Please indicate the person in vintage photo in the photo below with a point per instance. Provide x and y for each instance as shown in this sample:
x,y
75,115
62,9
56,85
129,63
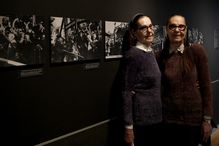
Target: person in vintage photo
x,y
114,32
186,88
141,81
81,39
22,39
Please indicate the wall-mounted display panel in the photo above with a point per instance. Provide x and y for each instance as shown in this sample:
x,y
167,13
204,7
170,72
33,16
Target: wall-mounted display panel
x,y
195,36
159,36
114,32
74,39
22,40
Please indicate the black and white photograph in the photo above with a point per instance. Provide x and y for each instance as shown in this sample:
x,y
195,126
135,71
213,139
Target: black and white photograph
x,y
22,40
195,36
74,39
159,36
114,32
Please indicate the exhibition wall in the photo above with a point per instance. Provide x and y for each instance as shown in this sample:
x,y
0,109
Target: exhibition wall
x,y
76,102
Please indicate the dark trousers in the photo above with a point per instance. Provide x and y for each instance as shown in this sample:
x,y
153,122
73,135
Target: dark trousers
x,y
147,135
182,135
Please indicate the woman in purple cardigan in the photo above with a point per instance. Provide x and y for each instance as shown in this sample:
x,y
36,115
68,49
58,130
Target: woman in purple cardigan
x,y
142,111
187,107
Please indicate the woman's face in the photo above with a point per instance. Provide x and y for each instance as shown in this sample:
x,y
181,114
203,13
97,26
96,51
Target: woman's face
x,y
176,29
145,32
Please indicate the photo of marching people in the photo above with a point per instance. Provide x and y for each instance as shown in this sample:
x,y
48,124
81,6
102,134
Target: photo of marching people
x,y
114,32
75,39
159,36
195,36
22,40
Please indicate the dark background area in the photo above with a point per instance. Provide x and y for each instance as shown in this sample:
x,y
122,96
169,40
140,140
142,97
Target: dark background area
x,y
69,97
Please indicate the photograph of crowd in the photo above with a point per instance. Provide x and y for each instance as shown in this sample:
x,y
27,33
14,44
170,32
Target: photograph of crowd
x,y
22,40
114,32
195,36
75,39
159,36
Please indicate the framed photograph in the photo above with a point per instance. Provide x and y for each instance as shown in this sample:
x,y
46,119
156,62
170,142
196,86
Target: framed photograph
x,y
114,32
159,36
74,40
195,36
22,40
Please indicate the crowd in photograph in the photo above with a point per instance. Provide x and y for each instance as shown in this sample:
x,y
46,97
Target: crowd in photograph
x,y
22,39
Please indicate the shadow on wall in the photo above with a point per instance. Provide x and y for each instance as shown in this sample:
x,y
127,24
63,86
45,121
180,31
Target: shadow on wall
x,y
116,126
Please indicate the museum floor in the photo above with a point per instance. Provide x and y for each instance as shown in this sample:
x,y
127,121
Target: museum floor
x,y
215,138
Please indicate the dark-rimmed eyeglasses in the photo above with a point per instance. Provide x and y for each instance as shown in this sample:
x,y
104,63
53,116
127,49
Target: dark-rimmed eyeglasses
x,y
145,27
181,27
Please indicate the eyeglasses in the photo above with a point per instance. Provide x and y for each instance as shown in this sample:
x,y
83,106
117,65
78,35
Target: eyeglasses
x,y
145,27
181,27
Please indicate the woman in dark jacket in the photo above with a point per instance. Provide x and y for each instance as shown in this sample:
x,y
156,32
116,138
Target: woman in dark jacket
x,y
141,85
187,107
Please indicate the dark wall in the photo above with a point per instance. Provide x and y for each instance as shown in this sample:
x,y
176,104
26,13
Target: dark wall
x,y
68,98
